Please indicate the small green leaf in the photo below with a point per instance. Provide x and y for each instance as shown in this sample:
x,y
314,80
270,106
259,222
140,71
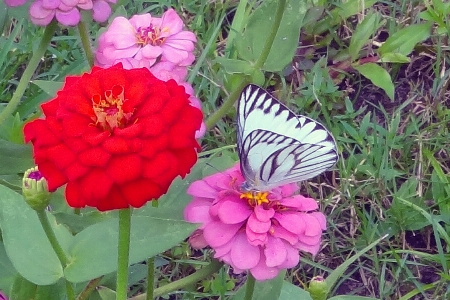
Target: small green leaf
x,y
251,42
379,77
106,293
149,237
404,40
394,58
235,66
362,33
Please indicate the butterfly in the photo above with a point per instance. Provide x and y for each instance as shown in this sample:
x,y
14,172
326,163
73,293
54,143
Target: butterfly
x,y
275,145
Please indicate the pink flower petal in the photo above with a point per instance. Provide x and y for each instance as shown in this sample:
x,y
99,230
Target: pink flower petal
x,y
282,233
243,255
255,239
201,189
233,211
39,15
313,249
275,252
170,19
217,234
197,211
50,4
142,21
14,3
264,215
262,272
292,222
101,11
292,257
69,18
257,226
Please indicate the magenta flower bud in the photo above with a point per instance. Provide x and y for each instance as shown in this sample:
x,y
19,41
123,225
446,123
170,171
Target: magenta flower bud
x,y
35,189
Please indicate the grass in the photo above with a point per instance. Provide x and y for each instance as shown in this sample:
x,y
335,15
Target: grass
x,y
392,175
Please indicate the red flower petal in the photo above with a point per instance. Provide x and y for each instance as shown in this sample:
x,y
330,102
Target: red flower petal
x,y
124,168
94,157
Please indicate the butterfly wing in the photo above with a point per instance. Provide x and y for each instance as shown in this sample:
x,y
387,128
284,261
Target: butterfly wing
x,y
276,146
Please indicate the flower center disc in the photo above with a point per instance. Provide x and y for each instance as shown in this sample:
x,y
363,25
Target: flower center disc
x,y
109,109
150,35
255,198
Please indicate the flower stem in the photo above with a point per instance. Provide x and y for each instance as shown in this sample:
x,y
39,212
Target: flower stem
x,y
273,33
249,287
42,215
123,253
29,71
86,42
226,106
150,278
212,268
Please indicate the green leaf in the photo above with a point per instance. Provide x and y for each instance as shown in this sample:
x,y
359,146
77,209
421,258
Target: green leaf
x,y
15,158
251,42
362,33
25,242
235,66
50,87
264,290
379,77
293,292
106,293
340,13
404,40
394,58
94,251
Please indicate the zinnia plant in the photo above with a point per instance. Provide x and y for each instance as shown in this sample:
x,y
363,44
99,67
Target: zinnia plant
x,y
257,231
116,137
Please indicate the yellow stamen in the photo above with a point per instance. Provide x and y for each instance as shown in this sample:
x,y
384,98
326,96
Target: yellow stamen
x,y
255,198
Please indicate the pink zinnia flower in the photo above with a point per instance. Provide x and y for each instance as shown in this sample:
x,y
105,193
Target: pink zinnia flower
x,y
257,231
67,12
143,39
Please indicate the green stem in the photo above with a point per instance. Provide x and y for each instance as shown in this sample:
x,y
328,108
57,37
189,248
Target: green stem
x,y
273,33
212,268
42,215
89,288
226,106
29,71
123,253
150,278
86,42
249,287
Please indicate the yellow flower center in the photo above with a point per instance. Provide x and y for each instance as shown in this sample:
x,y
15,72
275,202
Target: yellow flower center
x,y
108,109
151,35
255,198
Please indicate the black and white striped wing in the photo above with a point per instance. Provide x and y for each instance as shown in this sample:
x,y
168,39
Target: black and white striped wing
x,y
276,146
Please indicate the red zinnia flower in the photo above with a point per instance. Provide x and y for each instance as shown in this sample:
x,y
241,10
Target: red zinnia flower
x,y
117,137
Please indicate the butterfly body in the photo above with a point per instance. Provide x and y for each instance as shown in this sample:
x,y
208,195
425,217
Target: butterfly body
x,y
276,146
